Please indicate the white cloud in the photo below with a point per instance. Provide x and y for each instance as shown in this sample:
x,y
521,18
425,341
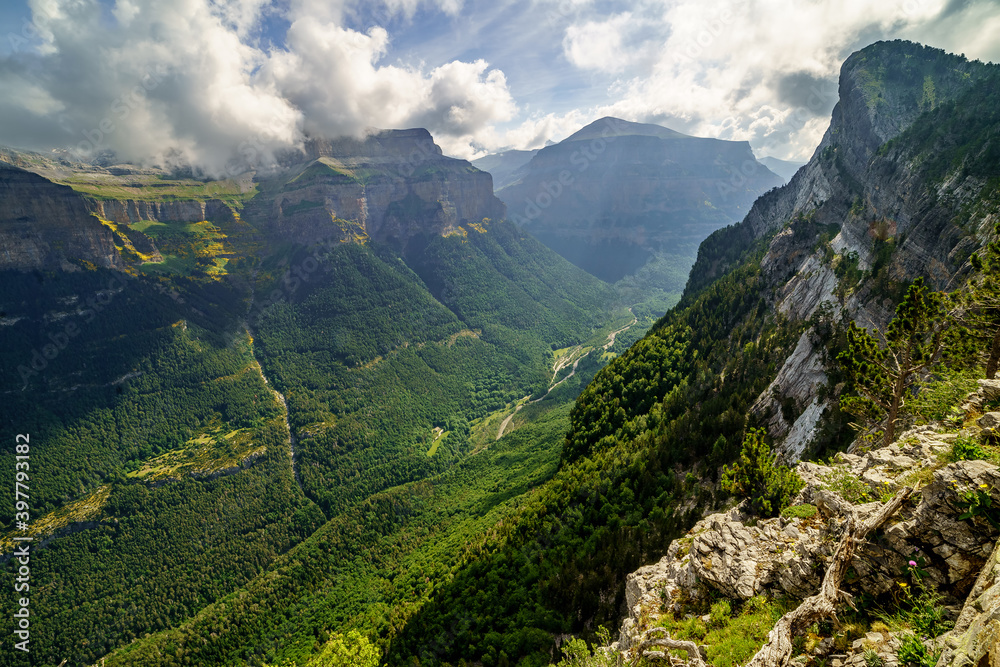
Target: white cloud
x,y
186,80
181,82
758,70
598,44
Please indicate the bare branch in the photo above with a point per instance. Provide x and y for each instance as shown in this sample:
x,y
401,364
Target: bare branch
x,y
778,649
694,653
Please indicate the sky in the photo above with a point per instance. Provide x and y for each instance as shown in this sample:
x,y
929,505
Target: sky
x,y
223,83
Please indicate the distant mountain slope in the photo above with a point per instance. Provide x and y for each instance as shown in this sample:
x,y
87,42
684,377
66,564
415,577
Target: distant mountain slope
x,y
783,168
617,196
505,167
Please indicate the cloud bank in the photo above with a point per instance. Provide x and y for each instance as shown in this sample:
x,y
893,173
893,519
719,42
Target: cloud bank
x,y
762,71
183,82
195,82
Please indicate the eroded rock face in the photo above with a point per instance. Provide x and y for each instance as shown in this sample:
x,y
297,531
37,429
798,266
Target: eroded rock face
x,y
44,225
391,186
125,212
796,385
740,557
975,639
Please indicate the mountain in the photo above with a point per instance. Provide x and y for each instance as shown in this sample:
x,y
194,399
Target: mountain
x,y
622,199
506,167
369,495
210,372
783,168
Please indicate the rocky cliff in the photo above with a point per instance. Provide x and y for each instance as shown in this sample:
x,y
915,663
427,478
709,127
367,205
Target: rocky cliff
x,y
390,186
127,211
929,544
861,219
615,193
44,225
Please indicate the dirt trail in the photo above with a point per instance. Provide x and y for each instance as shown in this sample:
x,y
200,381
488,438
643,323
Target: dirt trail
x,y
294,455
558,367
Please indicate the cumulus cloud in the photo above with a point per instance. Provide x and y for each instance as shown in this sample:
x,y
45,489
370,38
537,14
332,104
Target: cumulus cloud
x,y
183,83
761,70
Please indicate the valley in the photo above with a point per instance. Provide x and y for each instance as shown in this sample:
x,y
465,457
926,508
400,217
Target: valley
x,y
365,402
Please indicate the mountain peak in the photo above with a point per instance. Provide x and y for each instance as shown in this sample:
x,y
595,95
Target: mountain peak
x,y
616,127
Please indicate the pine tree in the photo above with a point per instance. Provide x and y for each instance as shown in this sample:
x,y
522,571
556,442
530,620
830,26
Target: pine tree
x,y
884,366
978,307
759,478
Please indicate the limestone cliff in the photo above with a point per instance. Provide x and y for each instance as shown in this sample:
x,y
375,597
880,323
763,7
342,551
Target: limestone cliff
x,y
129,211
44,226
864,214
390,186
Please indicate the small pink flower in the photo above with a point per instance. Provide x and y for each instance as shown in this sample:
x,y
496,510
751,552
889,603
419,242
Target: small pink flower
x,y
913,563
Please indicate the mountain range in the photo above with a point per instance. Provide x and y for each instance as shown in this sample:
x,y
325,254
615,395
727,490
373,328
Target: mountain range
x,y
361,409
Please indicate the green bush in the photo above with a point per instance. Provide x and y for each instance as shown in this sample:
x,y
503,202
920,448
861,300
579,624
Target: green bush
x,y
913,653
720,613
758,477
968,449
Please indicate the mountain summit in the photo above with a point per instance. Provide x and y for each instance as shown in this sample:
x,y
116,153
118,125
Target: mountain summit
x,y
617,198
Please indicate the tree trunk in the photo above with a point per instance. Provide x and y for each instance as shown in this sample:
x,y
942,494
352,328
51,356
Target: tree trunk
x,y
897,397
778,649
994,360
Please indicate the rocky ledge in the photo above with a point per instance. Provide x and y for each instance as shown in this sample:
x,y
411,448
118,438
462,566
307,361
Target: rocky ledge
x,y
736,556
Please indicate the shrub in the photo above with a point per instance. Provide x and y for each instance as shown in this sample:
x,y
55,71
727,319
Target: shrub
x,y
967,449
759,478
913,653
720,613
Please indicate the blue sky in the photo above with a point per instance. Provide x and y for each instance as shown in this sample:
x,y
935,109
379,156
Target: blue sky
x,y
204,80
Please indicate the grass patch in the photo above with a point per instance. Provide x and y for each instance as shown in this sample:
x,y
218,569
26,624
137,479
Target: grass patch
x,y
805,511
439,436
937,398
211,451
731,640
157,187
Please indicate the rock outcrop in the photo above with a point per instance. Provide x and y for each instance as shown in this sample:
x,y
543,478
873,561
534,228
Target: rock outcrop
x,y
739,559
737,556
390,186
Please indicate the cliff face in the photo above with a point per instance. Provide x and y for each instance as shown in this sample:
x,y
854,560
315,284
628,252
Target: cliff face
x,y
44,225
390,186
124,212
861,216
615,193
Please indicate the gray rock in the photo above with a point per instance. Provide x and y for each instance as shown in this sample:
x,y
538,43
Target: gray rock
x,y
989,421
989,390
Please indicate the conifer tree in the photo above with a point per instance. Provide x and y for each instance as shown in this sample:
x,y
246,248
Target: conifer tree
x,y
884,366
759,478
978,308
